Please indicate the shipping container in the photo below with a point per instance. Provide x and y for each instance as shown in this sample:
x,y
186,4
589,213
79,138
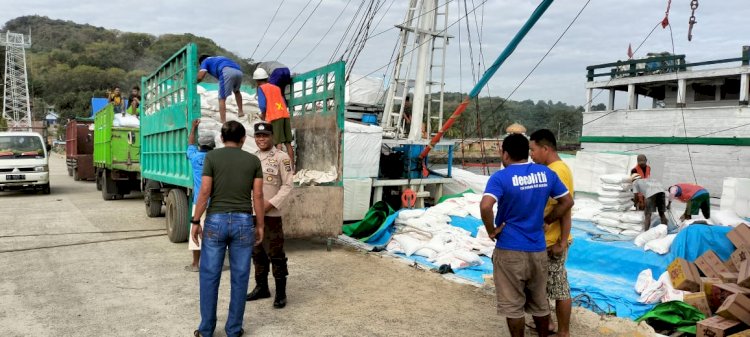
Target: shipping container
x,y
79,148
116,156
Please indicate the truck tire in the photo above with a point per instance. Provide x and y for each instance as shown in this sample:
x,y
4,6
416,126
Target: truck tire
x,y
153,197
107,185
75,175
98,180
178,221
70,171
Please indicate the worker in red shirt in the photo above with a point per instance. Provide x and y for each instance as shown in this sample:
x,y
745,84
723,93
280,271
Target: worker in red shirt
x,y
695,196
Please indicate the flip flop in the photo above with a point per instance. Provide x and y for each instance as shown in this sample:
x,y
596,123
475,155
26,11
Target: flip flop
x,y
190,268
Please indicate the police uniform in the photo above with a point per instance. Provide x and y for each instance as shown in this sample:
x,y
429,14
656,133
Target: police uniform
x,y
277,183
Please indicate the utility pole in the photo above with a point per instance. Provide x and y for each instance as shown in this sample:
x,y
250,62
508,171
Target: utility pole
x,y
16,107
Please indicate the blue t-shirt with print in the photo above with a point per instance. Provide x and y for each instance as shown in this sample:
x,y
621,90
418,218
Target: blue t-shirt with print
x,y
522,191
196,158
213,65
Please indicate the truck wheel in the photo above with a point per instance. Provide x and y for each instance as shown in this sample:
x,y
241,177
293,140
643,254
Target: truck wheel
x,y
75,175
70,171
98,180
107,185
153,198
178,221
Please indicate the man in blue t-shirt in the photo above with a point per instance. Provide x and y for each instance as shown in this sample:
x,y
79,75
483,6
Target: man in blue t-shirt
x,y
521,191
196,155
230,80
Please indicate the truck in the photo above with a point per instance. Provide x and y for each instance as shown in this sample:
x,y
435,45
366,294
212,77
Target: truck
x,y
24,162
117,154
79,148
169,104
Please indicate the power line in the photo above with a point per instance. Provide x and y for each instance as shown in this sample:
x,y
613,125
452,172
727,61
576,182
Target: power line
x,y
287,29
300,29
324,35
267,27
406,22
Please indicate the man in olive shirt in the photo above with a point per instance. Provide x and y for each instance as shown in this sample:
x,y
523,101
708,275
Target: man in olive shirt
x,y
232,179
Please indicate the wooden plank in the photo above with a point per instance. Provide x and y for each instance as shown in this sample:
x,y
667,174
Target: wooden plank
x,y
314,212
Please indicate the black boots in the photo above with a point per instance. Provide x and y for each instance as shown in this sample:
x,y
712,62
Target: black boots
x,y
260,290
280,300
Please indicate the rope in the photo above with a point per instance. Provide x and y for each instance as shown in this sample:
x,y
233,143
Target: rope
x,y
585,301
682,112
346,32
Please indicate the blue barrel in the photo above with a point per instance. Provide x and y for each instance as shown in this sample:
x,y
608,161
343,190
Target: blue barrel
x,y
371,119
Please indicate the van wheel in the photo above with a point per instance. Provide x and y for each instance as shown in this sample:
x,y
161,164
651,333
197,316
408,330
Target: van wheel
x,y
46,189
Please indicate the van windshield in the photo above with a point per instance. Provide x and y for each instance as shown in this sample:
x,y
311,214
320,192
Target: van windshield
x,y
21,147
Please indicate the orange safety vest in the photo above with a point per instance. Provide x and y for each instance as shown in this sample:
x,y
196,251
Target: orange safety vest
x,y
275,105
640,171
688,191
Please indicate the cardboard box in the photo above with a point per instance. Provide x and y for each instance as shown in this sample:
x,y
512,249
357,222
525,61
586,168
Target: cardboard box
x,y
707,283
736,307
745,333
740,236
730,266
729,277
684,275
717,326
740,255
710,264
699,301
720,292
743,278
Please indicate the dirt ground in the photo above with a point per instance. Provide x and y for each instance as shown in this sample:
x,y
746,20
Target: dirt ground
x,y
58,281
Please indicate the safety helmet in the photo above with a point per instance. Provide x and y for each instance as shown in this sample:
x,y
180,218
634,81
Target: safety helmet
x,y
260,74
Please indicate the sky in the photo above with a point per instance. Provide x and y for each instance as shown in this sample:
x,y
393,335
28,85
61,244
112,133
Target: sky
x,y
601,34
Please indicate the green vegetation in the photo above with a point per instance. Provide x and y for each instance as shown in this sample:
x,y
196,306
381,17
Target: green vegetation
x,y
566,118
70,63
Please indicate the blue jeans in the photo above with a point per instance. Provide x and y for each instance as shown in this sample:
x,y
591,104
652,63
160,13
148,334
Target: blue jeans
x,y
222,230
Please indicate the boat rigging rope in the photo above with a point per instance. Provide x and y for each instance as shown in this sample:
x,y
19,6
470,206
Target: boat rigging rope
x,y
286,30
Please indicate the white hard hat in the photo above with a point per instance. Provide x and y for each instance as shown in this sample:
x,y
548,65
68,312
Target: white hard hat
x,y
260,74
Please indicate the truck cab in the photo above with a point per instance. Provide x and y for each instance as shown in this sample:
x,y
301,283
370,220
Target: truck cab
x,y
24,162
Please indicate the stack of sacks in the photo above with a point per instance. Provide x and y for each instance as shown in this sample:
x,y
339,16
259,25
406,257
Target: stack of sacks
x,y
126,121
428,233
734,197
623,223
615,192
586,209
211,120
655,239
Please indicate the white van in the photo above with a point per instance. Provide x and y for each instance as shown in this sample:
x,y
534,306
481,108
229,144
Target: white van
x,y
24,161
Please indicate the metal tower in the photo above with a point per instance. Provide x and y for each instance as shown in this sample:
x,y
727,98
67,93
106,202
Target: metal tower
x,y
424,37
16,107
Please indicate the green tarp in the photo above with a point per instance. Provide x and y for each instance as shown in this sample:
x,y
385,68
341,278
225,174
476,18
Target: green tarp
x,y
675,315
372,221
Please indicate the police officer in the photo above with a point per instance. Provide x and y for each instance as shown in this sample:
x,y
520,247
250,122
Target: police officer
x,y
277,183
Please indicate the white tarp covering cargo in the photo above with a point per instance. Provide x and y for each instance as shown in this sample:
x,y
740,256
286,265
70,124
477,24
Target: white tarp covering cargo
x,y
356,198
363,90
735,196
362,145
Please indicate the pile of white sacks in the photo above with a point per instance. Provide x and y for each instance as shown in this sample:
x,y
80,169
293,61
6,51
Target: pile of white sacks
x,y
211,120
656,291
428,233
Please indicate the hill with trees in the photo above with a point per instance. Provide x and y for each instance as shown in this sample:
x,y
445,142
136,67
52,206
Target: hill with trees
x,y
69,63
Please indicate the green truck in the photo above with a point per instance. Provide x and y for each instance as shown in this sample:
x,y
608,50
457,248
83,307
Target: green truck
x,y
170,103
116,156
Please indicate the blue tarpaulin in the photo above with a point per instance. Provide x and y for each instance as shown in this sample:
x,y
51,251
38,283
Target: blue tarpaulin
x,y
604,270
